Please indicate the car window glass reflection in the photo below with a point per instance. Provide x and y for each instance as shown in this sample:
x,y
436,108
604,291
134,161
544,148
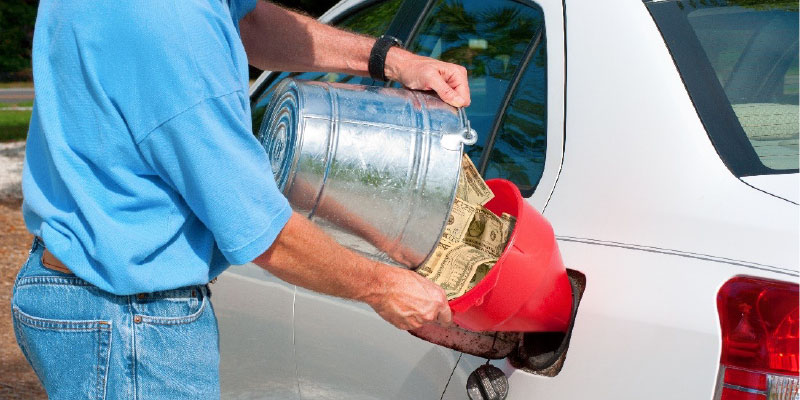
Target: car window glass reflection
x,y
489,39
518,151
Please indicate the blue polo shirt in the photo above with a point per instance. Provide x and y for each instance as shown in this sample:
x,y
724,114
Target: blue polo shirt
x,y
141,169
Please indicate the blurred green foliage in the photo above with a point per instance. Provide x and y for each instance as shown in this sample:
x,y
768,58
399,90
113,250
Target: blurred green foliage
x,y
17,18
372,21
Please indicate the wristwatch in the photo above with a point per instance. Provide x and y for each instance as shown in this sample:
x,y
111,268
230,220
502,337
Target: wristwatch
x,y
377,57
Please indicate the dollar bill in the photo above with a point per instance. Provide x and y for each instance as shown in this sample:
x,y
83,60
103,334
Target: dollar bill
x,y
480,273
486,232
456,268
471,187
458,221
429,266
508,221
473,238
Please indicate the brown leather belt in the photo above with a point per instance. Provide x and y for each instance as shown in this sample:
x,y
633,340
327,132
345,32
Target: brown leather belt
x,y
50,261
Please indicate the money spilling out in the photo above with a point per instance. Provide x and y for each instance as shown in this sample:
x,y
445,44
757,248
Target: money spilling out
x,y
473,238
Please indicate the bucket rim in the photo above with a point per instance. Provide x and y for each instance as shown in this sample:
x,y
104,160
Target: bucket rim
x,y
286,87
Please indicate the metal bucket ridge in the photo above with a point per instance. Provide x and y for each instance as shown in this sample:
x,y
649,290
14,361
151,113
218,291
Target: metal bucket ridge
x,y
376,168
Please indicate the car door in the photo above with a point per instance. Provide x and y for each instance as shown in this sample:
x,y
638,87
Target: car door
x,y
344,350
254,313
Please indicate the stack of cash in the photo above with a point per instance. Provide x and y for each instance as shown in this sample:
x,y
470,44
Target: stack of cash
x,y
473,238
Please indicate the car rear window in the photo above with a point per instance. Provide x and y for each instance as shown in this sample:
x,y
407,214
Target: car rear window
x,y
747,52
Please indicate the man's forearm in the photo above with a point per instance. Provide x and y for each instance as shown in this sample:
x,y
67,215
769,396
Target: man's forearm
x,y
277,39
304,255
280,40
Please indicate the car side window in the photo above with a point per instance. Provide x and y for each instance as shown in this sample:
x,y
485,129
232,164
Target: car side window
x,y
372,20
490,39
517,150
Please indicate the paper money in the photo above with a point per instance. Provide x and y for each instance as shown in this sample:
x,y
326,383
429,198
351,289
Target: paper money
x,y
456,268
471,187
480,273
486,232
429,266
459,220
508,221
473,237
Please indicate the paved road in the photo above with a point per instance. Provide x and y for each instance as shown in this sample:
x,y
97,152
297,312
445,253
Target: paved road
x,y
16,95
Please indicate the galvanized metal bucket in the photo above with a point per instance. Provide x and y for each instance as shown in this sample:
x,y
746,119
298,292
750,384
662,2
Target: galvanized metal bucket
x,y
376,168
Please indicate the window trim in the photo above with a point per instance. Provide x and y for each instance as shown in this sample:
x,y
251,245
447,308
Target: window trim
x,y
533,45
408,19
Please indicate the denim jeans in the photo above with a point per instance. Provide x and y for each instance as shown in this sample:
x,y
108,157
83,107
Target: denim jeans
x,y
84,343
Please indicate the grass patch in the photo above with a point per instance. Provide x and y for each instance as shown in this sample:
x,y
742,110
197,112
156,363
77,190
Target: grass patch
x,y
20,104
15,85
14,125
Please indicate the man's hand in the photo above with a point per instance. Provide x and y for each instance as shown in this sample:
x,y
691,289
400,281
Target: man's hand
x,y
407,300
449,81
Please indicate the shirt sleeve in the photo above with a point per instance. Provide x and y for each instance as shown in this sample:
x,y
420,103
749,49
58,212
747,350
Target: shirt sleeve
x,y
212,160
240,8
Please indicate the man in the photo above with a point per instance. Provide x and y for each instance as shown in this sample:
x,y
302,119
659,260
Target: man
x,y
143,181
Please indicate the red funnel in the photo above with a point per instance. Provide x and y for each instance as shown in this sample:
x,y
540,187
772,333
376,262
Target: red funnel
x,y
528,289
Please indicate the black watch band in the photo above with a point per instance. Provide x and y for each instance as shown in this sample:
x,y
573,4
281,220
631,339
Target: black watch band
x,y
377,57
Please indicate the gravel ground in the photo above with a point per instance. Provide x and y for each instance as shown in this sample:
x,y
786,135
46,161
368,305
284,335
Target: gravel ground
x,y
17,380
11,156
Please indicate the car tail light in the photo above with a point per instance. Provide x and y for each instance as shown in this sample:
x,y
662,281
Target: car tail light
x,y
759,319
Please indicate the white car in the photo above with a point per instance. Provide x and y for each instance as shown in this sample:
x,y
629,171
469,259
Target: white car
x,y
660,139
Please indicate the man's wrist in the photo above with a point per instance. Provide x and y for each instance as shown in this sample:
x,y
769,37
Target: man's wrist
x,y
376,287
378,54
395,59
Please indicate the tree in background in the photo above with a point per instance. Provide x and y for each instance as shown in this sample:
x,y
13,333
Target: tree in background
x,y
17,18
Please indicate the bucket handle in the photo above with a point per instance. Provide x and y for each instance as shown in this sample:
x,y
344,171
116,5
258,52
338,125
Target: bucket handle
x,y
469,136
454,141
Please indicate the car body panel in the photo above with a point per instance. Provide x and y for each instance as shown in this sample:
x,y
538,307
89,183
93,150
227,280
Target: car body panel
x,y
254,312
649,213
647,328
346,351
641,169
782,185
554,34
